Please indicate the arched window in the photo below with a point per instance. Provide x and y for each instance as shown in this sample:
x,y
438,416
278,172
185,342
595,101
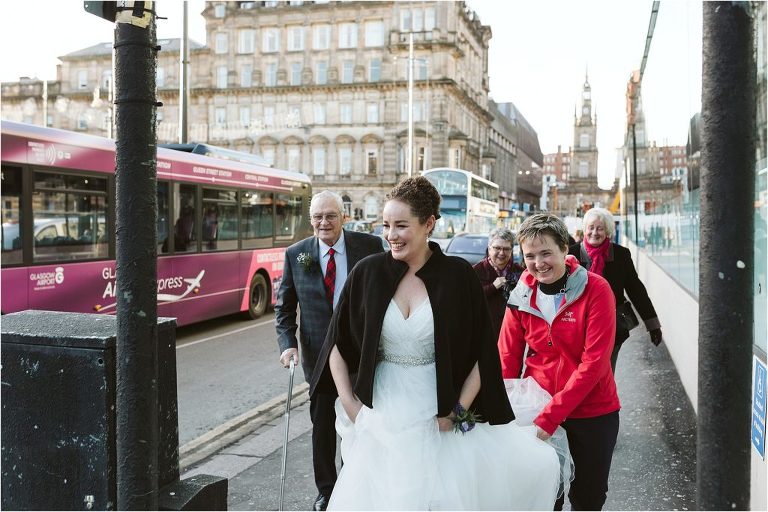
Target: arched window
x,y
347,206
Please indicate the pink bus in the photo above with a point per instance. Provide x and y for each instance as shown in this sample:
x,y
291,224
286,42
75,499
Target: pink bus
x,y
224,221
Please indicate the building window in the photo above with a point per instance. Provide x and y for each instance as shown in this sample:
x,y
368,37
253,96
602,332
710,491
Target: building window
x,y
245,116
219,10
371,161
269,154
374,33
417,19
321,37
270,77
221,43
347,70
160,77
429,18
246,75
295,39
584,140
345,113
321,75
82,79
372,113
294,158
270,3
221,77
418,111
296,73
455,158
246,41
319,113
106,80
318,161
220,116
421,69
345,161
421,159
82,122
374,70
348,35
294,116
405,20
583,168
269,116
271,40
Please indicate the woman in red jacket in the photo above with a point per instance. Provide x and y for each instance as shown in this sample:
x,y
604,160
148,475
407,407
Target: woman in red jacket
x,y
565,317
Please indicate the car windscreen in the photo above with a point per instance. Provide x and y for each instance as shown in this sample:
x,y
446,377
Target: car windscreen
x,y
466,245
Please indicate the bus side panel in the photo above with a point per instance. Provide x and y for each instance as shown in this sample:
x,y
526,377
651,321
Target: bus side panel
x,y
14,294
270,260
199,286
77,287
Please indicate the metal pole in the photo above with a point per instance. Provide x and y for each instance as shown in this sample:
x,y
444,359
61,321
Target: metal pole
x,y
184,78
634,180
136,209
727,260
409,161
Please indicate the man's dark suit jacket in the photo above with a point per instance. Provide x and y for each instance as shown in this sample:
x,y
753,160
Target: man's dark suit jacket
x,y
304,286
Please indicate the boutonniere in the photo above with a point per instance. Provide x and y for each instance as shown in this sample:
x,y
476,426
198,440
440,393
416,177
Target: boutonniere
x,y
306,260
464,420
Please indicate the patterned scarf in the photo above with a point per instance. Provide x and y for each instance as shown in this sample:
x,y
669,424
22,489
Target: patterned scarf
x,y
598,255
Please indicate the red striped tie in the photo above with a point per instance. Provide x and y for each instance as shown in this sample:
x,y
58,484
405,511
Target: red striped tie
x,y
330,277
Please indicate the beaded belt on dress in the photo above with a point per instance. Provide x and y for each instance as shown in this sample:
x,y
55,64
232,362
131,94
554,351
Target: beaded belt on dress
x,y
405,360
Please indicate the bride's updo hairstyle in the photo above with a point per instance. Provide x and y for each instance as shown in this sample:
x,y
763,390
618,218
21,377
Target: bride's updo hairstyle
x,y
418,193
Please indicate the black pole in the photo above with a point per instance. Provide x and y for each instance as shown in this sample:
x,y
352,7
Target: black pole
x,y
634,180
136,206
727,259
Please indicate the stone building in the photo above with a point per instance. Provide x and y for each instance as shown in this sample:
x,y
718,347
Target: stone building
x,y
316,87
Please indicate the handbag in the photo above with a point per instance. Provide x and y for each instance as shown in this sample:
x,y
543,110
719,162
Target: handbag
x,y
625,316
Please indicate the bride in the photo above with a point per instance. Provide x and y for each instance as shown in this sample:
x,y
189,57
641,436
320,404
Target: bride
x,y
423,412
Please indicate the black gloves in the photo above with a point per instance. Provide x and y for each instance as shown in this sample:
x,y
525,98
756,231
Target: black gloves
x,y
656,336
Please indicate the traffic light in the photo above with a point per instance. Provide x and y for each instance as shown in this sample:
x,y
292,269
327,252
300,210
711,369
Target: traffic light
x,y
106,10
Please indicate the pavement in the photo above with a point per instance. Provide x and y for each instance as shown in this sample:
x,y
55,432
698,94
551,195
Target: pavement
x,y
654,464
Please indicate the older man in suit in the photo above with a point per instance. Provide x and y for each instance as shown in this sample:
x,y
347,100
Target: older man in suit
x,y
314,273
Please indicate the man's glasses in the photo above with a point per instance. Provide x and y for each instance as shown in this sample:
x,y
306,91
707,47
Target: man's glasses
x,y
501,249
328,217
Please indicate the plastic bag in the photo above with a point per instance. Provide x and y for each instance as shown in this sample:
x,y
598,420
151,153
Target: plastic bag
x,y
528,399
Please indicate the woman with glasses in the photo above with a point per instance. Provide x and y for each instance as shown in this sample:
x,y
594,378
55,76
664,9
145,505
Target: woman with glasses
x,y
498,273
598,254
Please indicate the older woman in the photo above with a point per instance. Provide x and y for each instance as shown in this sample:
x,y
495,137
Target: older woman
x,y
565,318
598,254
498,274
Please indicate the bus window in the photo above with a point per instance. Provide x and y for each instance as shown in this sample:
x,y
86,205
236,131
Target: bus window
x,y
184,236
163,222
219,219
287,216
69,217
11,215
257,223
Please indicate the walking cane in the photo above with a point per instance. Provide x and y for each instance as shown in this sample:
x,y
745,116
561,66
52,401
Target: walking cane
x,y
285,439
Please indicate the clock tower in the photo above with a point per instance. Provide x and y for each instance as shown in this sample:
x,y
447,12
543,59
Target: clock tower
x,y
584,152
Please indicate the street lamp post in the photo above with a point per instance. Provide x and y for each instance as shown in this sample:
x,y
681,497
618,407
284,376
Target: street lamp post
x,y
409,161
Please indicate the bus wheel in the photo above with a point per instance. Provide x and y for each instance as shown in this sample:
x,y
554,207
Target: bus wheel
x,y
258,296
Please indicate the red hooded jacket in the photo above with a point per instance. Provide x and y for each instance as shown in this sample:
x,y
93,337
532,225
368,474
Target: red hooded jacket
x,y
571,358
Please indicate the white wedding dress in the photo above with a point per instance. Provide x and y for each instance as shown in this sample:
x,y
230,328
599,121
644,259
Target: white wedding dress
x,y
395,458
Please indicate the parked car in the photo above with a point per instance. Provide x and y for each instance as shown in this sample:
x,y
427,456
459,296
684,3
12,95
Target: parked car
x,y
364,226
471,247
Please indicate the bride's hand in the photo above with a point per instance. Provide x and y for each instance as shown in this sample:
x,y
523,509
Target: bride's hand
x,y
352,408
541,434
445,423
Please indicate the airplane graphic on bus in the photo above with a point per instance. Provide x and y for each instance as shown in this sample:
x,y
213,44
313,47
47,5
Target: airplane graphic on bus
x,y
193,286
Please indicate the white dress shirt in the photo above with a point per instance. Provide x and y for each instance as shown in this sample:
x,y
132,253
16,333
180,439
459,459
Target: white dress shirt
x,y
341,264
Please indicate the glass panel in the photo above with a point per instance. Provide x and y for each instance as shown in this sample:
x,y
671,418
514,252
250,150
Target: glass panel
x,y
219,220
184,232
287,216
69,226
11,215
163,217
256,219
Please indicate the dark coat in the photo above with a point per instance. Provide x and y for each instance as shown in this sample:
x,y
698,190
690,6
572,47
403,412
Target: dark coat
x,y
305,287
495,297
620,273
462,331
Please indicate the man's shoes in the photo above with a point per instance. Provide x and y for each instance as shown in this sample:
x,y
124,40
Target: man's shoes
x,y
321,502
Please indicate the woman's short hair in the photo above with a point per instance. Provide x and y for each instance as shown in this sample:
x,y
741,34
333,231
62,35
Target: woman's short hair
x,y
503,233
327,194
541,224
418,193
602,214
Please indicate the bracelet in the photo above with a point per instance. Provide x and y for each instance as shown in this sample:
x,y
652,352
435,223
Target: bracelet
x,y
465,420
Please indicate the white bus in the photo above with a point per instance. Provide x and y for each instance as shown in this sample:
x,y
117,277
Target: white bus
x,y
470,204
